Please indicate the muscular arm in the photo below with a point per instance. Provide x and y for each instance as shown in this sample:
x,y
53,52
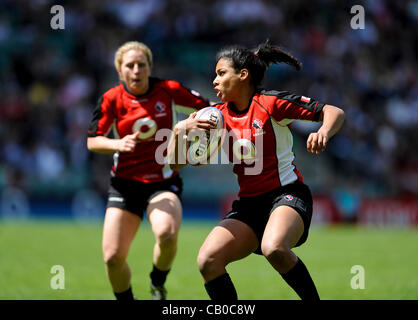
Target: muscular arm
x,y
332,120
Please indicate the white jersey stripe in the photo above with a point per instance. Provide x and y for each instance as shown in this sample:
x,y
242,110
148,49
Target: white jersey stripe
x,y
284,153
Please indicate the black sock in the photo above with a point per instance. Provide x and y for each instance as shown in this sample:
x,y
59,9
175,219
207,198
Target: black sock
x,y
158,277
125,295
300,280
221,288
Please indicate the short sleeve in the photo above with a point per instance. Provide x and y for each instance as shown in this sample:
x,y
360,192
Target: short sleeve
x,y
288,106
102,119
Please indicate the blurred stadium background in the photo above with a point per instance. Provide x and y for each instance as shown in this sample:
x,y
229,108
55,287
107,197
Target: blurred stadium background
x,y
51,80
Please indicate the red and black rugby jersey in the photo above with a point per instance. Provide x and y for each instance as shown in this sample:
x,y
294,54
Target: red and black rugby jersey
x,y
127,113
260,143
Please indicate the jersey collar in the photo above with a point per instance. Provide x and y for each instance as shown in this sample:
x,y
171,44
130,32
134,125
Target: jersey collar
x,y
150,87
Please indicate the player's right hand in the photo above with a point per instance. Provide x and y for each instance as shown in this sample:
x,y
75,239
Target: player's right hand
x,y
128,142
191,123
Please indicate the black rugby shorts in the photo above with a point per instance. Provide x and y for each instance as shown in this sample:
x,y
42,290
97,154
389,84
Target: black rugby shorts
x,y
255,211
134,196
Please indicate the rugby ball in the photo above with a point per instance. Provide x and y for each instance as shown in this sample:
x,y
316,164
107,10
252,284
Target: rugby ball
x,y
202,146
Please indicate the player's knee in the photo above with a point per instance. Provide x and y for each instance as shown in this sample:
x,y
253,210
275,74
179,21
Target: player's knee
x,y
208,264
275,252
204,262
166,236
113,258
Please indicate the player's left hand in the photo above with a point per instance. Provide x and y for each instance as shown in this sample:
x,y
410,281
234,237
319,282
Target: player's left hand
x,y
317,142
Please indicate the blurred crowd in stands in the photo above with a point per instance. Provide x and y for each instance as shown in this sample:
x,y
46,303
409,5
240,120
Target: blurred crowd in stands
x,y
52,79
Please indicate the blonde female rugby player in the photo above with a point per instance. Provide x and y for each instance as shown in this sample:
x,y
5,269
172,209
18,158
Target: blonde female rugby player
x,y
136,108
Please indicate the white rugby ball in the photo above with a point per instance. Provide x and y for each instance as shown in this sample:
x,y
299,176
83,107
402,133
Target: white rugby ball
x,y
202,147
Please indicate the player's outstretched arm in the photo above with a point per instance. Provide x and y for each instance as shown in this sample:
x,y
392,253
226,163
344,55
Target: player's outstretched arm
x,y
332,120
102,144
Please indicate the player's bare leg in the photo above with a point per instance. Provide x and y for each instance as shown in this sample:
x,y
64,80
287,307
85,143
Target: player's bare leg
x,y
283,231
164,214
120,227
230,241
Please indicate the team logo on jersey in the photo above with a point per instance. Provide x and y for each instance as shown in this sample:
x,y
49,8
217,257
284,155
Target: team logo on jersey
x,y
258,126
160,107
288,197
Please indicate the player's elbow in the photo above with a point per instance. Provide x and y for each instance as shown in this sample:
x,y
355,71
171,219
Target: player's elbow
x,y
340,113
340,116
90,144
333,112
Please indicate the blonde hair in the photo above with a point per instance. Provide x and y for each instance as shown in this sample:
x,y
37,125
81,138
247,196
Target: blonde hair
x,y
132,45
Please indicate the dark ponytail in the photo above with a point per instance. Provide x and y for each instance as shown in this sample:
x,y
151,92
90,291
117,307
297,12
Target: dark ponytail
x,y
259,60
269,54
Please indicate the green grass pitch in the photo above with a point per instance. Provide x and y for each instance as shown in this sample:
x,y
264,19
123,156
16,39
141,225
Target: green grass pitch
x,y
30,249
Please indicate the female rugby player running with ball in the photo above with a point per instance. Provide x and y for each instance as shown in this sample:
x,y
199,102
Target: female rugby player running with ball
x,y
274,209
136,108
